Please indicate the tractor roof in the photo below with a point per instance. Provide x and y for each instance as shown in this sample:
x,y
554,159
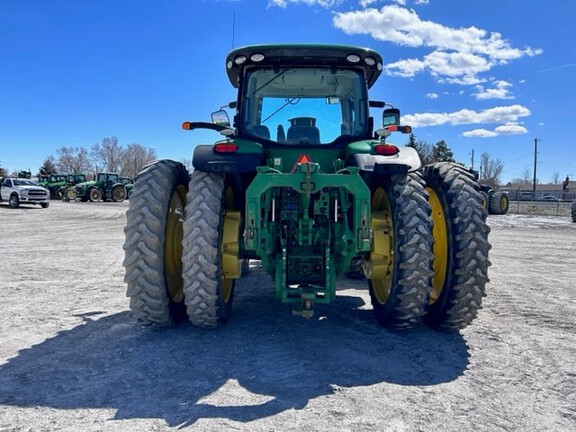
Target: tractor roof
x,y
307,55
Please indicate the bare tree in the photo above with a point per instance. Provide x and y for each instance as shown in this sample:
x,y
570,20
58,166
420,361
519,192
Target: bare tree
x,y
556,177
73,160
133,159
188,164
423,148
490,170
526,176
107,156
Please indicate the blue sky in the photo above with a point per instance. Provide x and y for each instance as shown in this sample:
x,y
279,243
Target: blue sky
x,y
485,76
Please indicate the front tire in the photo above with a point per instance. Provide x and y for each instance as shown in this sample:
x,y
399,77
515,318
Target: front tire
x,y
95,195
460,246
14,201
71,194
211,261
399,267
153,245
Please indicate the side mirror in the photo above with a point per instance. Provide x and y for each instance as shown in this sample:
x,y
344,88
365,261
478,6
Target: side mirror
x,y
391,117
221,118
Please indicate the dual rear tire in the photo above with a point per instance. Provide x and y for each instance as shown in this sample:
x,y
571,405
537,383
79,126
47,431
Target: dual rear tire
x,y
181,263
430,249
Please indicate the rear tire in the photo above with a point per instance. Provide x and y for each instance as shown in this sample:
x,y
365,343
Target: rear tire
x,y
153,245
210,250
399,268
118,193
461,246
485,199
574,211
499,203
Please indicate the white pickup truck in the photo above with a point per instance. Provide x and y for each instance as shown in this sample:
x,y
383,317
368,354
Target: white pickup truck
x,y
23,191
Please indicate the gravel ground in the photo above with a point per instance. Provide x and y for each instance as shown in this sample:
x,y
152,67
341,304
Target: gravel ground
x,y
73,359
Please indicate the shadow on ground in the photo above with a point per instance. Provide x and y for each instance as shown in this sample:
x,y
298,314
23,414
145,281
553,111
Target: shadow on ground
x,y
264,362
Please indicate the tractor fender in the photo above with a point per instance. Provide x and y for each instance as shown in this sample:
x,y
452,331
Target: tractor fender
x,y
207,160
406,160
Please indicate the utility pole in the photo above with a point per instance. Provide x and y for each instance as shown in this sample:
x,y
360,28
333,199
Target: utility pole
x,y
472,159
535,160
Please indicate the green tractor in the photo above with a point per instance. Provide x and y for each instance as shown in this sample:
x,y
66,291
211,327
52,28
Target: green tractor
x,y
496,202
106,187
128,185
74,179
303,181
57,185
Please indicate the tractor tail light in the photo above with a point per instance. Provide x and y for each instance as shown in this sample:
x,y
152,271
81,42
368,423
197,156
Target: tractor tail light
x,y
386,149
225,148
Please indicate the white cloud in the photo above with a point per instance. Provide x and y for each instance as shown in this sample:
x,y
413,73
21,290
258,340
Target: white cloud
x,y
479,133
511,129
458,54
506,129
501,90
504,114
431,95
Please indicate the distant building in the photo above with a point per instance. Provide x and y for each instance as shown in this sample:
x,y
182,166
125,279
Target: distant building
x,y
565,191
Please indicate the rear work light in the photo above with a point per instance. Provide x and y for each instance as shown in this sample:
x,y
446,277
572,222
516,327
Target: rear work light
x,y
386,149
225,148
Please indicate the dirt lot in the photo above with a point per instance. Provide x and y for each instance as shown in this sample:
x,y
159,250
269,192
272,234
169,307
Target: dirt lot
x,y
73,359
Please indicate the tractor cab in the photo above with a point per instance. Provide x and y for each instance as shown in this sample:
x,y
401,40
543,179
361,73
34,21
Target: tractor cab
x,y
314,95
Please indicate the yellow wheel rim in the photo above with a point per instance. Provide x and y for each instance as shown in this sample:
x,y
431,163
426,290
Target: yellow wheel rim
x,y
440,246
230,247
380,266
71,194
173,244
503,202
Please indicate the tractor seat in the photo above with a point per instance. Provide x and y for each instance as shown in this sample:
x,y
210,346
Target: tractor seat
x,y
303,130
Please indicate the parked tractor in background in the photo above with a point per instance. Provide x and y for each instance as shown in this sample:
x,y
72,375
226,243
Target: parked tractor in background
x,y
57,185
106,187
304,182
496,202
128,185
74,179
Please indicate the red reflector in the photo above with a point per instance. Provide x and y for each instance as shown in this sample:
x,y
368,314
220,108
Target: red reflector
x,y
302,159
225,148
386,149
